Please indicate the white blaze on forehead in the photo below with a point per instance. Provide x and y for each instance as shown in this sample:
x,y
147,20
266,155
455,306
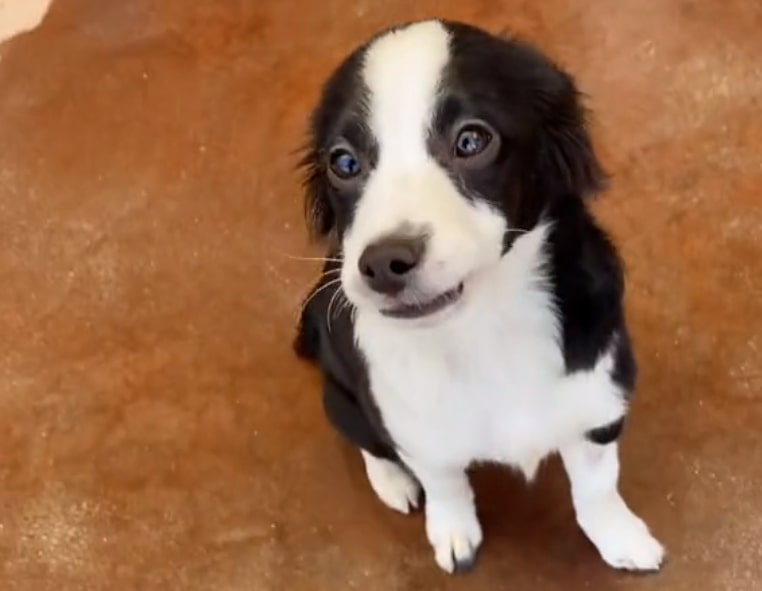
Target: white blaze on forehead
x,y
402,71
408,189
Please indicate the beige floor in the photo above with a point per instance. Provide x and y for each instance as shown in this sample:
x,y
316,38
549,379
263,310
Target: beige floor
x,y
19,16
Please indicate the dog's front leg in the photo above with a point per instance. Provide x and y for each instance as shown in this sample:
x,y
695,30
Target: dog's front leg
x,y
621,537
451,522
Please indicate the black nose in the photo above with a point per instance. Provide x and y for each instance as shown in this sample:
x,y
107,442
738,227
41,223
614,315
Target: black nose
x,y
386,265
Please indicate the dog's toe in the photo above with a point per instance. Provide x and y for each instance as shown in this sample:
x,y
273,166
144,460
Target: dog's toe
x,y
396,488
456,553
455,534
623,539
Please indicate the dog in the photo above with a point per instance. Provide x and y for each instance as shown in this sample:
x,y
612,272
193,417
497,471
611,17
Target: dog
x,y
470,308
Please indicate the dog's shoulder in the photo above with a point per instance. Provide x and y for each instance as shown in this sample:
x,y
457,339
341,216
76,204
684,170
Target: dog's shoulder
x,y
589,285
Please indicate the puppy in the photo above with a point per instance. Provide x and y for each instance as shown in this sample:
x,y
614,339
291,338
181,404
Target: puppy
x,y
470,308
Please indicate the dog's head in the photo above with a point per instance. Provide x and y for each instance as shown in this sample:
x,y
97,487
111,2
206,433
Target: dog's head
x,y
433,146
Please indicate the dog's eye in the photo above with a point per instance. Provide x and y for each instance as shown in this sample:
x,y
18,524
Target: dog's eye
x,y
344,164
475,145
472,140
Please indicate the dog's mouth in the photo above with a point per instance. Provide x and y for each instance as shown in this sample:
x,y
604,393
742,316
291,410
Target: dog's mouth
x,y
427,308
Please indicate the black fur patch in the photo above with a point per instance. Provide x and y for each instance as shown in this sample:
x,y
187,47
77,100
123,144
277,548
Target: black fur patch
x,y
606,434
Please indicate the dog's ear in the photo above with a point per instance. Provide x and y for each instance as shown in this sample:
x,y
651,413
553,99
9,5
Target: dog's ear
x,y
567,159
318,211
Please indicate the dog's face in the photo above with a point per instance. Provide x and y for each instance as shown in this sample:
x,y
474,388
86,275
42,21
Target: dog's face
x,y
433,147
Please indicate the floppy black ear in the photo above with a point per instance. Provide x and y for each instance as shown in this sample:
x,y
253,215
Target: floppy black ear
x,y
318,211
567,158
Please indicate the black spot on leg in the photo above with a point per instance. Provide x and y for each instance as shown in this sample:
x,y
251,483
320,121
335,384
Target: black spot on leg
x,y
606,434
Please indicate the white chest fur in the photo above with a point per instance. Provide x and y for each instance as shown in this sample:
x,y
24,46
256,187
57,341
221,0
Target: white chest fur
x,y
487,383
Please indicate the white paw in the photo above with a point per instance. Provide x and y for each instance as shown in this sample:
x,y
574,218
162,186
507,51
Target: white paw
x,y
621,537
456,535
394,486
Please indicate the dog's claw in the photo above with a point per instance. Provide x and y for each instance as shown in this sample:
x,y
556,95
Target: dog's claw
x,y
464,565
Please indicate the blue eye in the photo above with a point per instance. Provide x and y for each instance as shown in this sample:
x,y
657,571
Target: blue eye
x,y
472,140
344,164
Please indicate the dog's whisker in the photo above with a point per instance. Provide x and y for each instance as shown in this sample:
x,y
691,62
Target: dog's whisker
x,y
340,303
343,305
348,305
313,259
317,291
331,274
330,305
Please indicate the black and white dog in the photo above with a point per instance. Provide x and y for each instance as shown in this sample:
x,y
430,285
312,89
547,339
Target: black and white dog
x,y
470,308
